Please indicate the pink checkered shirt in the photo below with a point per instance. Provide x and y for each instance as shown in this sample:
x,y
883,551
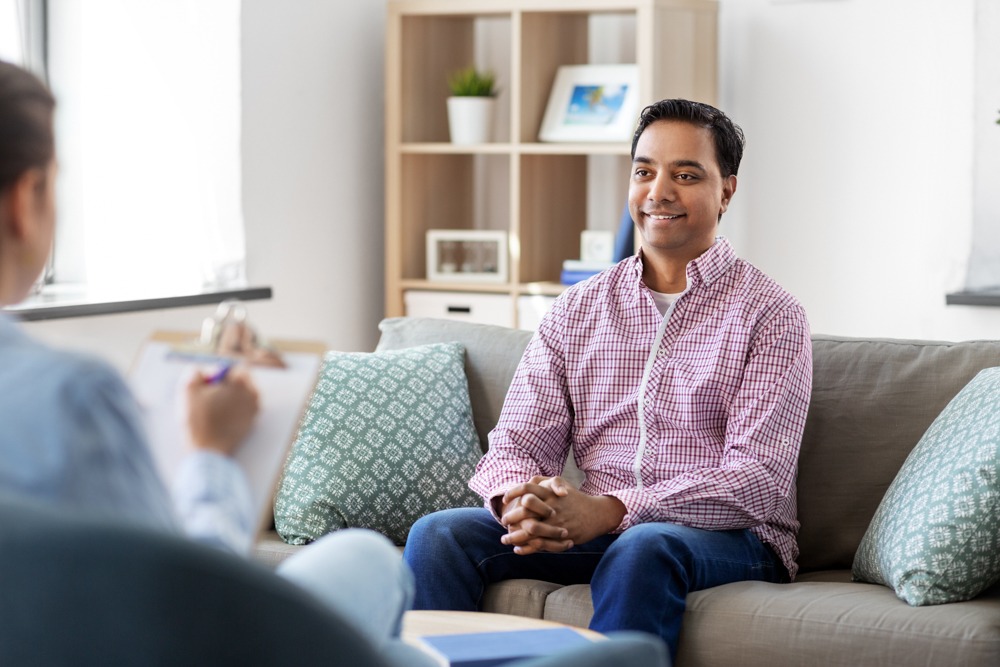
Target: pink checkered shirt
x,y
694,417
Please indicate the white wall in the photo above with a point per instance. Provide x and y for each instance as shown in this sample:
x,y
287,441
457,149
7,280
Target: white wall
x,y
856,187
855,192
312,182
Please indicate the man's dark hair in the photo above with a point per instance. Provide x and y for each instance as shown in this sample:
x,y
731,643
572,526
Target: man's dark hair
x,y
727,135
26,138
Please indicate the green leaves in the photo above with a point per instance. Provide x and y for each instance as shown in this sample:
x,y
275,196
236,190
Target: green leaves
x,y
470,82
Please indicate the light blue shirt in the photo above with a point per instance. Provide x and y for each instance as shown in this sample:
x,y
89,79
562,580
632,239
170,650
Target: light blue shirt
x,y
71,435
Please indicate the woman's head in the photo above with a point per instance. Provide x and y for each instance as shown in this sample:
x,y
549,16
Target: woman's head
x,y
26,137
27,180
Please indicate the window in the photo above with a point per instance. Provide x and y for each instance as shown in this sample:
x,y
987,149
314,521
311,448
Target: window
x,y
10,32
22,33
984,259
148,138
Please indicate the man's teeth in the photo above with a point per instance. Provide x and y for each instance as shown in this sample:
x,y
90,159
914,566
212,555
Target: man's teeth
x,y
664,217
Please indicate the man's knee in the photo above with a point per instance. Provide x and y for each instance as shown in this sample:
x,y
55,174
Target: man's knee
x,y
445,523
642,545
650,535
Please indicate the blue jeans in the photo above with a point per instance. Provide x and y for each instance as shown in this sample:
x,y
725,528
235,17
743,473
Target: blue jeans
x,y
359,574
639,579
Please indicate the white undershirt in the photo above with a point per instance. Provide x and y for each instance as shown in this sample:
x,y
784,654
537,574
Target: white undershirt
x,y
663,301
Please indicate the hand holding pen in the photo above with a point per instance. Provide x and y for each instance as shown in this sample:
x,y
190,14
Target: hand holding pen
x,y
221,408
219,375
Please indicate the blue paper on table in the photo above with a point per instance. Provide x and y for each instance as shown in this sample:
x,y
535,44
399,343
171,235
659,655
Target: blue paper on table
x,y
486,649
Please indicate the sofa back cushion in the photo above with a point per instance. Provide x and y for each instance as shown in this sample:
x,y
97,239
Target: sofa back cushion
x,y
872,400
492,354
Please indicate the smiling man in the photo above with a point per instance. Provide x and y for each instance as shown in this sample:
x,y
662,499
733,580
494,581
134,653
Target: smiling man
x,y
680,377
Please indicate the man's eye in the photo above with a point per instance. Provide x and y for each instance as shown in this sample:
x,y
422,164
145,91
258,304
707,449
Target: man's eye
x,y
685,177
641,172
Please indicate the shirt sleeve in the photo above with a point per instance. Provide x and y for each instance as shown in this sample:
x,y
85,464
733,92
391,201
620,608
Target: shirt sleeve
x,y
108,467
532,434
756,475
111,469
212,499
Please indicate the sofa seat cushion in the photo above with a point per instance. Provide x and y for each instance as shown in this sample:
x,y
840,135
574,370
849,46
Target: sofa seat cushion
x,y
822,619
571,605
835,624
270,549
520,597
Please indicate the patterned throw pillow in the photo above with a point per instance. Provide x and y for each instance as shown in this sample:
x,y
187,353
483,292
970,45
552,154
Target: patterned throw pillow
x,y
387,438
935,537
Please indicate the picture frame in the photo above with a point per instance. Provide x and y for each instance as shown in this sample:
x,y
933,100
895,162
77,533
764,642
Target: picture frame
x,y
598,103
466,255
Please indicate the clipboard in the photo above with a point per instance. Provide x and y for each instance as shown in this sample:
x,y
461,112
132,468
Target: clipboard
x,y
159,377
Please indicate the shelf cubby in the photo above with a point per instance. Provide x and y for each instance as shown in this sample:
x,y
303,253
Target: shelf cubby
x,y
542,194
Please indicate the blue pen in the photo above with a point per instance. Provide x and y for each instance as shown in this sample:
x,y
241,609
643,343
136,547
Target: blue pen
x,y
219,375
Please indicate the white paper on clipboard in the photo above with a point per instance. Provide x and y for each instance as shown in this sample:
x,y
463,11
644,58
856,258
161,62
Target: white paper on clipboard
x,y
159,379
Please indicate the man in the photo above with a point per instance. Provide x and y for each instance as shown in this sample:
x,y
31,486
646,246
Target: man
x,y
681,379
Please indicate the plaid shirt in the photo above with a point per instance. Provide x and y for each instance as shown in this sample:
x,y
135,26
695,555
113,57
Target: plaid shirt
x,y
694,417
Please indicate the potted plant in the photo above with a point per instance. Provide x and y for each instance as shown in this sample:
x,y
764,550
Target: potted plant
x,y
470,107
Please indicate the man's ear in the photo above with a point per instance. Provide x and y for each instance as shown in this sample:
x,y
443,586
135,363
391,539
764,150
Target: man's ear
x,y
728,190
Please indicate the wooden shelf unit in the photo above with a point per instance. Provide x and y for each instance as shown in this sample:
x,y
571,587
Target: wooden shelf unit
x,y
537,192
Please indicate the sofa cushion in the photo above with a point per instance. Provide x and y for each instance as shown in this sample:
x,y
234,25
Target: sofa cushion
x,y
519,597
834,624
935,537
872,400
492,354
387,438
822,618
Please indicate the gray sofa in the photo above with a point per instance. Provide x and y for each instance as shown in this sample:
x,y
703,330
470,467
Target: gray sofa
x,y
872,400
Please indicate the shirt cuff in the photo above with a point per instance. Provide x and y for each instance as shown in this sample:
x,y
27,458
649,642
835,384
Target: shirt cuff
x,y
639,508
213,502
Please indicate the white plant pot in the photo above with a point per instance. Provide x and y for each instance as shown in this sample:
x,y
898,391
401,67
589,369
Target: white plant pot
x,y
470,119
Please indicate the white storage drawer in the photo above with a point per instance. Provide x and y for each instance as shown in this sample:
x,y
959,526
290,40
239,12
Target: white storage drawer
x,y
465,306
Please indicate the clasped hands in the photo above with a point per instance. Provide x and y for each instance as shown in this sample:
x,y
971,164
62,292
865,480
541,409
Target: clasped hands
x,y
550,514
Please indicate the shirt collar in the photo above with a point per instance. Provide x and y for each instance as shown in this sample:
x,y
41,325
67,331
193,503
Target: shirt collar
x,y
713,263
706,268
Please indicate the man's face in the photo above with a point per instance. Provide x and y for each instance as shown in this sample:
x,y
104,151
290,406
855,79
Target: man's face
x,y
676,191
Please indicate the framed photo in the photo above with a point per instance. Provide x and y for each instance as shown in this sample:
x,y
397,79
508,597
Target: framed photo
x,y
592,103
466,255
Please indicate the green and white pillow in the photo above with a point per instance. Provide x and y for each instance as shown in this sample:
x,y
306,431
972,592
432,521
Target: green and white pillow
x,y
935,537
387,438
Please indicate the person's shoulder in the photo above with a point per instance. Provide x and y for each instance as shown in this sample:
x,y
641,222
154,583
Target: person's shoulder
x,y
762,288
597,288
68,371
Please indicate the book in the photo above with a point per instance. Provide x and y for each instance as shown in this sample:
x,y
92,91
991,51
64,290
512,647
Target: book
x,y
586,265
573,277
159,379
488,649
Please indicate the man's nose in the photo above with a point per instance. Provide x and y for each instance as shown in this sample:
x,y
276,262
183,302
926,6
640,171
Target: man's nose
x,y
662,189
